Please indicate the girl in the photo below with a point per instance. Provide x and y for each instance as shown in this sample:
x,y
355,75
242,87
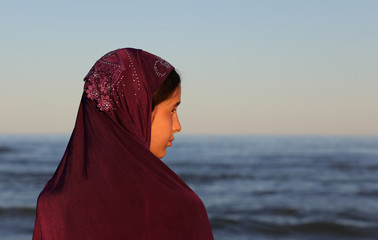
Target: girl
x,y
111,183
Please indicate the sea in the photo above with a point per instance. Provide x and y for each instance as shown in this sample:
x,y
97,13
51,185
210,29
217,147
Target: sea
x,y
254,187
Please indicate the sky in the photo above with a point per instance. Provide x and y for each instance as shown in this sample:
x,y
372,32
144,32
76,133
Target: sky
x,y
247,67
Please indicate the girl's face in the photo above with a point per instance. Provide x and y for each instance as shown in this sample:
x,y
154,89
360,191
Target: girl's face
x,y
164,124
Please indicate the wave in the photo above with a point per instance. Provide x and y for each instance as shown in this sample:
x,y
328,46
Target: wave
x,y
366,193
315,228
14,211
4,149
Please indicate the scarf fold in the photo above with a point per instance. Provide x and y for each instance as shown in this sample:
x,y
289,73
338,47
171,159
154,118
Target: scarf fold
x,y
108,184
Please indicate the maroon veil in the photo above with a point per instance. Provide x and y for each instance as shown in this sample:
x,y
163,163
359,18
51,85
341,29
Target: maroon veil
x,y
108,184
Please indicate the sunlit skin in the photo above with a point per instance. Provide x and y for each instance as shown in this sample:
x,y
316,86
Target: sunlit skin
x,y
165,123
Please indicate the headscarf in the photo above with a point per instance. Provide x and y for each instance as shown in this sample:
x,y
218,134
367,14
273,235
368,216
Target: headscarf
x,y
108,184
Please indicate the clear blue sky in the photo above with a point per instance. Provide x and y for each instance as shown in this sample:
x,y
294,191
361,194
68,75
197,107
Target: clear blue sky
x,y
248,67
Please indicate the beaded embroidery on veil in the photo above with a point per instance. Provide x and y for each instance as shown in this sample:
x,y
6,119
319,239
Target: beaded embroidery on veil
x,y
104,79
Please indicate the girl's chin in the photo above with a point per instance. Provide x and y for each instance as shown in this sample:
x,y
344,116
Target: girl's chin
x,y
161,154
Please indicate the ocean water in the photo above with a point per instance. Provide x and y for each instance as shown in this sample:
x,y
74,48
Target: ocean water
x,y
254,187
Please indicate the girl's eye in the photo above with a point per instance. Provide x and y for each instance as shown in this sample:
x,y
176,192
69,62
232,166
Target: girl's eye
x,y
174,110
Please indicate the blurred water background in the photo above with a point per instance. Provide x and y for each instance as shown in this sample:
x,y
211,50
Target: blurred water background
x,y
254,187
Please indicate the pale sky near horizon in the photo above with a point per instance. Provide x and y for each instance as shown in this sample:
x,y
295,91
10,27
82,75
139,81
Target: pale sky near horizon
x,y
248,67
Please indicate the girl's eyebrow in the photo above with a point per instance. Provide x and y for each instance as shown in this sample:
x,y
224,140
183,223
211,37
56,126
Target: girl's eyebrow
x,y
178,103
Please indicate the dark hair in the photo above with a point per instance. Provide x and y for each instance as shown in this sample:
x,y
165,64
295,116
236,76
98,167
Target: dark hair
x,y
166,90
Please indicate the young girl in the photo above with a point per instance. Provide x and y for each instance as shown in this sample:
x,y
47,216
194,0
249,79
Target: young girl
x,y
111,183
